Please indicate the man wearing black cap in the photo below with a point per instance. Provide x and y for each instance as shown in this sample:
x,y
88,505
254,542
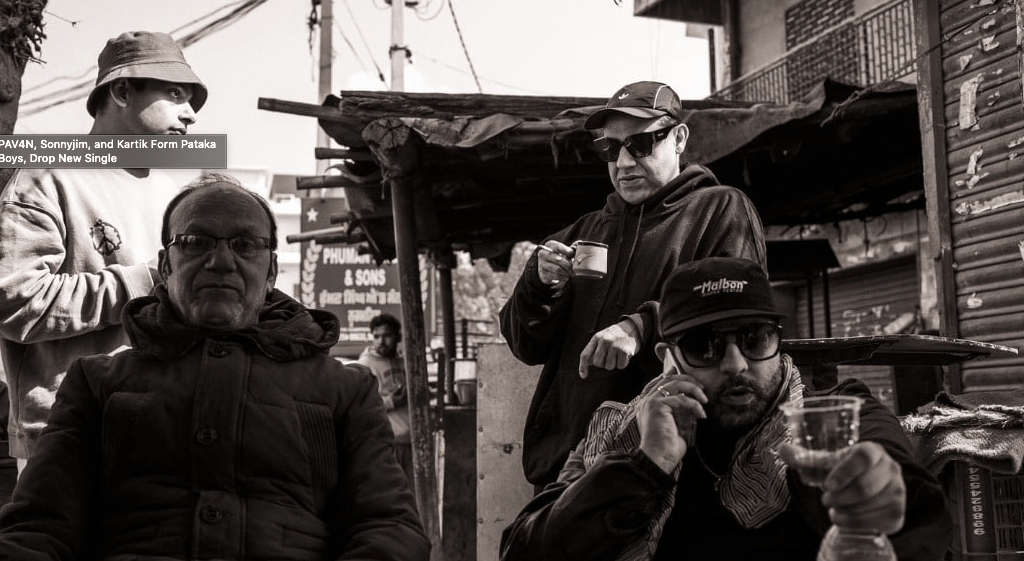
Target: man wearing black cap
x,y
76,244
700,465
589,334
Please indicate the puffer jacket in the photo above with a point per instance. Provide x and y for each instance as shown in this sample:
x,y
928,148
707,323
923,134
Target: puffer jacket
x,y
254,445
691,217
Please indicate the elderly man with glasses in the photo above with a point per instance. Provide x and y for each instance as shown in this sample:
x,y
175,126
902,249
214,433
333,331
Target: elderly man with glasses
x,y
589,333
226,431
701,465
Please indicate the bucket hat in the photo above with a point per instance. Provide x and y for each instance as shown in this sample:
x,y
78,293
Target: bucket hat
x,y
145,54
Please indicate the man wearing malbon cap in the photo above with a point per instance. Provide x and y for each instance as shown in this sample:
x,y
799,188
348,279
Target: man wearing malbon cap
x,y
700,464
77,244
590,334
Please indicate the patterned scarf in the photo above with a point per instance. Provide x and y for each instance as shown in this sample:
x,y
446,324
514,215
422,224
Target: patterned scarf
x,y
754,487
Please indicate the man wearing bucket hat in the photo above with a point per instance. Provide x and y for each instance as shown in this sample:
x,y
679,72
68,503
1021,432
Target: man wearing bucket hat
x,y
588,332
77,244
700,464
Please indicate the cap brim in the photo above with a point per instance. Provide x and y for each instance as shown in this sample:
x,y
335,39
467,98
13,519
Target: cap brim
x,y
597,118
169,71
675,330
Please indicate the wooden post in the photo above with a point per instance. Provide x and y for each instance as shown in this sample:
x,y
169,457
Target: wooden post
x,y
448,325
809,281
826,302
394,147
931,107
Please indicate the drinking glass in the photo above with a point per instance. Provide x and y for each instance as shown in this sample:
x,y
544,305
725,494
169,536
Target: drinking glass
x,y
821,428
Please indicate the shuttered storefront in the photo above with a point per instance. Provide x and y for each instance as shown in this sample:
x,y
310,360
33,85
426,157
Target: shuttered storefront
x,y
864,300
976,194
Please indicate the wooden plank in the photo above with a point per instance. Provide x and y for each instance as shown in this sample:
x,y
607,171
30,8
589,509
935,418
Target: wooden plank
x,y
369,105
328,181
322,153
346,130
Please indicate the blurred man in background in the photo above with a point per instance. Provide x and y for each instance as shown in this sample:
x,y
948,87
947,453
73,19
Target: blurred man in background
x,y
388,366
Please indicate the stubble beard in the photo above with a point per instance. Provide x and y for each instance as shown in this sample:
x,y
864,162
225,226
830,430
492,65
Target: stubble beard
x,y
740,419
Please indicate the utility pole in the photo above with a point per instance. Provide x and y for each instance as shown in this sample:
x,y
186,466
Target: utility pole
x,y
398,50
326,62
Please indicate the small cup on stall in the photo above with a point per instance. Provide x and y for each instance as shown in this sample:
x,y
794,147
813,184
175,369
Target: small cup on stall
x,y
590,260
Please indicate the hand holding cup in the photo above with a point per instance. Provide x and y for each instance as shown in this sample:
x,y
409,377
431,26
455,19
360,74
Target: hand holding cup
x,y
554,263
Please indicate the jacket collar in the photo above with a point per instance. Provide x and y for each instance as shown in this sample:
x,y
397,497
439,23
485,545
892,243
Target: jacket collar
x,y
285,330
691,178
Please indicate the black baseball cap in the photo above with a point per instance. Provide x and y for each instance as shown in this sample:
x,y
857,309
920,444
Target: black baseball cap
x,y
713,289
639,99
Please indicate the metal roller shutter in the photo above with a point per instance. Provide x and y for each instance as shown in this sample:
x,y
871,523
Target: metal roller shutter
x,y
984,160
864,301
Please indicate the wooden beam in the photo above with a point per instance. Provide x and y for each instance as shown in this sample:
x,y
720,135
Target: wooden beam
x,y
369,105
348,131
931,114
328,181
316,234
356,155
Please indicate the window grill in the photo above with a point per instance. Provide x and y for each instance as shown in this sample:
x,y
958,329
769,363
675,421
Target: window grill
x,y
874,48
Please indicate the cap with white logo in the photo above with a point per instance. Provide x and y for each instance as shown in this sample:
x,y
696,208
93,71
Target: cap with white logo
x,y
713,289
639,99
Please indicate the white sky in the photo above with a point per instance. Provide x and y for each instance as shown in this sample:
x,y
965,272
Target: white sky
x,y
517,47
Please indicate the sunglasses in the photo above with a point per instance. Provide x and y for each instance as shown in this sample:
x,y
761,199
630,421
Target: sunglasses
x,y
197,244
638,145
706,347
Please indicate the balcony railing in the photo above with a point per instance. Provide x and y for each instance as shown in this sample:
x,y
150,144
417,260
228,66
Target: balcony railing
x,y
875,47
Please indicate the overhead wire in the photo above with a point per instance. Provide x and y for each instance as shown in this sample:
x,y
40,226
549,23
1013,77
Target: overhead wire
x,y
422,9
484,78
455,20
362,63
366,43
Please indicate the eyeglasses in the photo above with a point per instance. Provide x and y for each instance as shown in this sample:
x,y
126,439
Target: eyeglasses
x,y
198,244
706,347
638,145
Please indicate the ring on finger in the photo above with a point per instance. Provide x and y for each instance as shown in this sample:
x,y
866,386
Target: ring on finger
x,y
664,392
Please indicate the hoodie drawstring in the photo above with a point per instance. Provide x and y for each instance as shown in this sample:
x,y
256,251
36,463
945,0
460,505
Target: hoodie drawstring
x,y
629,256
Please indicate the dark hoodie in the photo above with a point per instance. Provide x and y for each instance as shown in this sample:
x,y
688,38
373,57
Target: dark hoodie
x,y
692,217
202,445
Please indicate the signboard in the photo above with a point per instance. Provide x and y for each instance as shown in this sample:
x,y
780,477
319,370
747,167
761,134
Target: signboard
x,y
337,278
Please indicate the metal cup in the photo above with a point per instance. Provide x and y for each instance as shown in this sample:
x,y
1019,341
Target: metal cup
x,y
591,259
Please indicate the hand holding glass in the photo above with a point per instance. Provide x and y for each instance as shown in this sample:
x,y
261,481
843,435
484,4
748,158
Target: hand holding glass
x,y
822,429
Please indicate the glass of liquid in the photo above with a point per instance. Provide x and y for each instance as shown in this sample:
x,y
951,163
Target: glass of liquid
x,y
822,428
